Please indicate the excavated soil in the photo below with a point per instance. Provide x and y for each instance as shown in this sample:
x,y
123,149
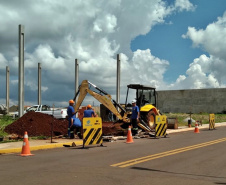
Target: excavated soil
x,y
39,124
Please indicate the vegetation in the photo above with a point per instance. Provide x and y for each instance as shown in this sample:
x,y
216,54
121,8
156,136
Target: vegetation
x,y
4,121
202,118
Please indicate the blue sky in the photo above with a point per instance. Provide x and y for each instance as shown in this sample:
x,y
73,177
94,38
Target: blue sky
x,y
166,42
174,44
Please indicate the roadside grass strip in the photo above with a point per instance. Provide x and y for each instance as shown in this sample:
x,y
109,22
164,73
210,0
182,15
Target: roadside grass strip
x,y
164,154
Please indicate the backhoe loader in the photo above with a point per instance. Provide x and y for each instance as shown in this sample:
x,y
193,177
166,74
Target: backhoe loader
x,y
145,97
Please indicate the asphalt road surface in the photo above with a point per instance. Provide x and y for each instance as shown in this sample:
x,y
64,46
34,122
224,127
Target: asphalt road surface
x,y
182,158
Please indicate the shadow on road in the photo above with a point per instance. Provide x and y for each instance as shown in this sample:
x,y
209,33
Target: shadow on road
x,y
190,174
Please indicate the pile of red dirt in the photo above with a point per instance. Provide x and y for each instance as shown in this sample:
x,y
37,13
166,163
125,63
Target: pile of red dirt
x,y
113,129
39,124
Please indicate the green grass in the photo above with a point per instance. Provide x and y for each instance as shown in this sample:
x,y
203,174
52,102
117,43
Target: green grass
x,y
203,117
4,121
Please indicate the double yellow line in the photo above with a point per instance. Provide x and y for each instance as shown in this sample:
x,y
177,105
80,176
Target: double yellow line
x,y
167,153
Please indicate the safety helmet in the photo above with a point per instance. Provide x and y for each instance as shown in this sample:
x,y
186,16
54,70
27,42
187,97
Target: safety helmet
x,y
71,101
133,101
89,106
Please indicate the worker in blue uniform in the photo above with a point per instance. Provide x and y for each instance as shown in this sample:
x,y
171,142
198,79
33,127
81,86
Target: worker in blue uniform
x,y
73,122
135,117
75,128
89,112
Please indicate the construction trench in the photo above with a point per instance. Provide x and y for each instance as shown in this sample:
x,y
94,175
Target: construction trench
x,y
39,124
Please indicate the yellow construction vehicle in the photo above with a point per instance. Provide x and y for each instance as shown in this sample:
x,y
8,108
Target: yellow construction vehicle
x,y
145,97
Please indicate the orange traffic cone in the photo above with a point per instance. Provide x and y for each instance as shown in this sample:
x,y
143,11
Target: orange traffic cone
x,y
196,128
25,148
129,136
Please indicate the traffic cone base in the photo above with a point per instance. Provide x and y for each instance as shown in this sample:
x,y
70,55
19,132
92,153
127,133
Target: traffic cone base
x,y
129,136
196,128
25,148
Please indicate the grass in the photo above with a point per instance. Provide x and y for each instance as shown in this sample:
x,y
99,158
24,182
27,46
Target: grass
x,y
4,121
203,117
7,120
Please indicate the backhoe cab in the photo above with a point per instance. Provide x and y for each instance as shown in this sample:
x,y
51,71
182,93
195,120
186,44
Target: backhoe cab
x,y
146,101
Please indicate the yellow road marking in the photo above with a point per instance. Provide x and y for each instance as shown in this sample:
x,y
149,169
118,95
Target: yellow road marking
x,y
164,154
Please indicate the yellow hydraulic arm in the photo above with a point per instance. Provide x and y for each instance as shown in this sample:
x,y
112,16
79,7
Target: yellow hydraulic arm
x,y
105,99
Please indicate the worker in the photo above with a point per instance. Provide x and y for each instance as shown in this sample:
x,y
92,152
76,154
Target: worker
x,y
89,112
74,124
75,128
71,115
135,117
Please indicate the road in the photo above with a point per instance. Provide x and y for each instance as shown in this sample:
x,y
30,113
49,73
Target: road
x,y
182,158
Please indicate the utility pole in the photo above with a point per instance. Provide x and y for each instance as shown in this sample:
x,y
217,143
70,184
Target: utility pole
x,y
118,79
76,76
7,89
21,71
39,83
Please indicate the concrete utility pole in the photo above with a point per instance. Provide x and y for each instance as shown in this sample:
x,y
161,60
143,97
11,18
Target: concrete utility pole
x,y
39,83
7,89
76,76
21,71
118,79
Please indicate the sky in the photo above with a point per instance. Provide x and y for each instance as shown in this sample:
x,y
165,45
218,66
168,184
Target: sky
x,y
168,44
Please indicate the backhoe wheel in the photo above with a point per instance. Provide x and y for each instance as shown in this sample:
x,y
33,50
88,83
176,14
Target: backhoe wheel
x,y
150,119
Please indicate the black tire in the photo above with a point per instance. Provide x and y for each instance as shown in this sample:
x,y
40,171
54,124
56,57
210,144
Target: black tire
x,y
150,119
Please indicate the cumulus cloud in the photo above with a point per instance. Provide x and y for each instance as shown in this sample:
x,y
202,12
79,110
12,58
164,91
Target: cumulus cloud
x,y
56,33
147,68
203,72
206,72
3,61
184,5
211,38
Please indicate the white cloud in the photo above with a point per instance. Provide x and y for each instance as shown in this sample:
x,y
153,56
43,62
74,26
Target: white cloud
x,y
184,5
56,33
147,68
3,62
204,72
207,72
210,39
106,24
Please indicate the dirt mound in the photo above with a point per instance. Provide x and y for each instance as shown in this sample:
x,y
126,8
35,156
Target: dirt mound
x,y
109,128
39,124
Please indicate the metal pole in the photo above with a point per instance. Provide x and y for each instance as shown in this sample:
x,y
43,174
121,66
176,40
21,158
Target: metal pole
x,y
76,76
39,83
118,79
7,89
21,71
52,125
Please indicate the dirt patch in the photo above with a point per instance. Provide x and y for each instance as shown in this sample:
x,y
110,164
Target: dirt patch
x,y
39,124
114,129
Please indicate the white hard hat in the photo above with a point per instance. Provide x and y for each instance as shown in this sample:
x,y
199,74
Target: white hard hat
x,y
133,101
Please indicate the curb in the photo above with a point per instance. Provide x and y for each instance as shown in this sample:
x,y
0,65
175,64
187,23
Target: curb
x,y
204,126
40,147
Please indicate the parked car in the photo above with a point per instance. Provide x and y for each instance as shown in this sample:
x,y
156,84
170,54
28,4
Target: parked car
x,y
46,109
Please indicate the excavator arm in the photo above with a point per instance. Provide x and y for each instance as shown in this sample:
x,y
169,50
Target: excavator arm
x,y
103,97
106,99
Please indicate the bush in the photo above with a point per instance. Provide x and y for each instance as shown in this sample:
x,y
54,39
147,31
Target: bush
x,y
4,121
